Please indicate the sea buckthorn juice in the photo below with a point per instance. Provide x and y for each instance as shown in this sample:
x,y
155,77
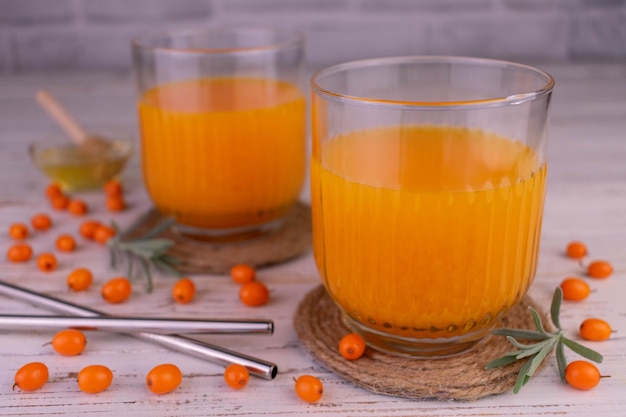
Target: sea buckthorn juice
x,y
223,128
425,234
223,153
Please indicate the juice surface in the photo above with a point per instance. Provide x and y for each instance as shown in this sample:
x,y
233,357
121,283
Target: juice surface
x,y
424,231
222,153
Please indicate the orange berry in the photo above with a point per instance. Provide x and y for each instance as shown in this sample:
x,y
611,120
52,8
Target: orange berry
x,y
183,291
575,289
576,250
164,378
242,273
53,190
103,233
41,221
599,269
94,378
69,342
309,388
582,375
31,376
77,207
20,252
236,376
352,346
79,279
116,290
66,243
115,203
60,202
88,228
113,187
595,329
254,294
47,262
18,231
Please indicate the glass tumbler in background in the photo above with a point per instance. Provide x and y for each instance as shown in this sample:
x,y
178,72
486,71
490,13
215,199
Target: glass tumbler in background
x,y
222,117
427,186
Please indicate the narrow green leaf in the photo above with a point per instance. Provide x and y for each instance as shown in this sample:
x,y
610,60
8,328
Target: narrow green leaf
x,y
147,272
555,307
534,350
522,377
503,361
523,346
540,356
582,350
170,259
519,333
161,264
561,361
537,321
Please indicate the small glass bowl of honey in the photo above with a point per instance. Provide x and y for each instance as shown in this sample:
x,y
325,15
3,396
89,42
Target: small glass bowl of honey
x,y
75,167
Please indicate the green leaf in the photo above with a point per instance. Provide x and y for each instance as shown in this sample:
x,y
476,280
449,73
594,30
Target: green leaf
x,y
519,333
555,307
164,265
529,352
522,377
561,361
540,356
537,321
582,350
503,361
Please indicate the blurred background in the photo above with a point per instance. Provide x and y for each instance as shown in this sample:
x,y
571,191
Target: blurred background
x,y
62,35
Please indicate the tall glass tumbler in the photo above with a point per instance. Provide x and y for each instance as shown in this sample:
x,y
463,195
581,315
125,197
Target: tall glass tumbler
x,y
222,117
427,185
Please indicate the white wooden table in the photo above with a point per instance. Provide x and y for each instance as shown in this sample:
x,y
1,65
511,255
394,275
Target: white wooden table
x,y
586,200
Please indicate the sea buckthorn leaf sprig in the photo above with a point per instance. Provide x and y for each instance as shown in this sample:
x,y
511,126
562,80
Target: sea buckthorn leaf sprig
x,y
149,250
536,352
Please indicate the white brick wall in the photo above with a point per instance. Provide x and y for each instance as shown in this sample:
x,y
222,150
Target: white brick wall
x,y
94,34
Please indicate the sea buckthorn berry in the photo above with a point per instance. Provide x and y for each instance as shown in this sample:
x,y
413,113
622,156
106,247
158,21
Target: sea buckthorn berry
x,y
20,252
116,290
31,376
113,187
599,269
575,289
595,329
242,273
236,376
53,190
87,229
115,203
79,279
41,221
576,250
94,378
582,375
77,207
60,202
352,346
164,378
103,233
47,262
69,342
66,243
309,388
183,291
18,231
254,294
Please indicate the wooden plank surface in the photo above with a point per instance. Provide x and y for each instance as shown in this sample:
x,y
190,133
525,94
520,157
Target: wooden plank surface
x,y
586,200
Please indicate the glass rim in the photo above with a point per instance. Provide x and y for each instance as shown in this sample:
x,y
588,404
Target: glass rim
x,y
517,98
293,38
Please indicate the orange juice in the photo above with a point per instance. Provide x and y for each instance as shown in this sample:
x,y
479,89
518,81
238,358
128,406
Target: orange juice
x,y
423,231
220,153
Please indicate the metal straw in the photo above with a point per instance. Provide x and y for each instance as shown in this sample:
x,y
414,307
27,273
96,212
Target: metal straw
x,y
197,348
137,324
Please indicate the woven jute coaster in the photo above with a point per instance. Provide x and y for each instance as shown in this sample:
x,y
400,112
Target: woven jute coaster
x,y
463,377
290,239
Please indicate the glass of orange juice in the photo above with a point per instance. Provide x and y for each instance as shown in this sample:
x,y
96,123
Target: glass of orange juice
x,y
222,118
428,178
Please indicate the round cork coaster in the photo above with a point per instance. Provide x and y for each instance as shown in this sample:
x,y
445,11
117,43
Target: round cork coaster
x,y
319,327
289,240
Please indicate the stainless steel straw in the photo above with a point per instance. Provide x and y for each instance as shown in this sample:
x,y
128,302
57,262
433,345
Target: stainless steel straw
x,y
137,324
197,348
